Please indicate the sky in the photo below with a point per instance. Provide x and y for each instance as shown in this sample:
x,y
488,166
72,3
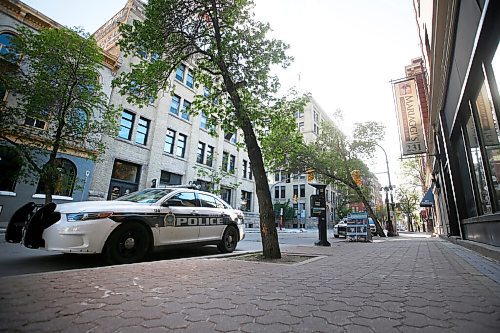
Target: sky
x,y
346,53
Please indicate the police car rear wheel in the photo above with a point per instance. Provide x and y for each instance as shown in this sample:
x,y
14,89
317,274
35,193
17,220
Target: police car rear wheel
x,y
229,240
127,244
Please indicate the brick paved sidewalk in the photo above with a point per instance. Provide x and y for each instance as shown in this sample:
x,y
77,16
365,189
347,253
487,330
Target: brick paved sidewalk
x,y
395,285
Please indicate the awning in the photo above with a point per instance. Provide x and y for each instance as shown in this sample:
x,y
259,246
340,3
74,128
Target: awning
x,y
428,200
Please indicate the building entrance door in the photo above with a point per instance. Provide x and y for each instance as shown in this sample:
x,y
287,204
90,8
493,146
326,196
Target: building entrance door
x,y
119,188
124,179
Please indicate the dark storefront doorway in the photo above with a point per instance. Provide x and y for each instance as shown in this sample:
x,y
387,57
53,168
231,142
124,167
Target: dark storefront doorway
x,y
124,179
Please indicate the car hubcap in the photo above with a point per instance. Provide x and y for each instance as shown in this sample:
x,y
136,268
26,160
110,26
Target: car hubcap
x,y
129,243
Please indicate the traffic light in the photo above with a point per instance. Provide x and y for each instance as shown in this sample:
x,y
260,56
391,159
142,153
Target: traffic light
x,y
356,176
310,175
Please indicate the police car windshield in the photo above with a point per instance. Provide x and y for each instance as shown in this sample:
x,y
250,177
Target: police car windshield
x,y
146,196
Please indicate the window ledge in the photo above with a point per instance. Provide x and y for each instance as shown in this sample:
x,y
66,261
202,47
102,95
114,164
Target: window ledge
x,y
54,197
174,156
178,116
132,143
8,194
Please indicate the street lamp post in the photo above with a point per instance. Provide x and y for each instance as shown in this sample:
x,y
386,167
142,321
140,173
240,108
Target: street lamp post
x,y
390,227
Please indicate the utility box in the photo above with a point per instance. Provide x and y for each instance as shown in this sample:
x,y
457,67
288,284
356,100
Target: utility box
x,y
358,228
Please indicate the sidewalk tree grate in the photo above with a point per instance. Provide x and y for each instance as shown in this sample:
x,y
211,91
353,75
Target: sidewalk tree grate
x,y
286,258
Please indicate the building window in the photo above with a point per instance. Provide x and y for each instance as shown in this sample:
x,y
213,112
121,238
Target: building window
x,y
231,137
225,161
288,178
141,136
277,176
316,116
246,201
250,171
477,165
175,104
225,194
491,136
126,124
169,178
185,110
283,192
245,168
181,145
200,156
10,164
65,182
301,126
190,79
169,142
210,156
232,163
32,122
203,122
276,192
302,190
204,185
316,129
295,191
179,73
5,43
125,171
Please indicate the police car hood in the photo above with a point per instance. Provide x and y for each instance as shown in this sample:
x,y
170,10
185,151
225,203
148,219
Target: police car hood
x,y
98,206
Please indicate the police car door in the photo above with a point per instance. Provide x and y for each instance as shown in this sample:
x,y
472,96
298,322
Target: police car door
x,y
213,211
180,224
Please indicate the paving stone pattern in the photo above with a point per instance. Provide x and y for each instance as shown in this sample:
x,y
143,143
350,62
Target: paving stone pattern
x,y
395,285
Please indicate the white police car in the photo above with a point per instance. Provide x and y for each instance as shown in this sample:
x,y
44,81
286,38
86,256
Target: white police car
x,y
125,230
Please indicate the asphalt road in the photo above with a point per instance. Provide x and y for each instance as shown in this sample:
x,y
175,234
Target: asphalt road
x,y
15,259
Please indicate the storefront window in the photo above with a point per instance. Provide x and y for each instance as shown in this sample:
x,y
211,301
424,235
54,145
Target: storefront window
x,y
477,164
491,135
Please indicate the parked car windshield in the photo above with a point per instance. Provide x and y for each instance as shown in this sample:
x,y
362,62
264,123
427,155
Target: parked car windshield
x,y
151,195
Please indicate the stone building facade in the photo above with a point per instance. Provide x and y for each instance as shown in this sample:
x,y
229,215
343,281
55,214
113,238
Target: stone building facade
x,y
296,188
16,191
160,144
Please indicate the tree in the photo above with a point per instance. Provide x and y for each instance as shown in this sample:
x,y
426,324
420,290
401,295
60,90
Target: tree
x,y
408,200
345,197
413,171
337,158
54,76
232,58
215,177
288,211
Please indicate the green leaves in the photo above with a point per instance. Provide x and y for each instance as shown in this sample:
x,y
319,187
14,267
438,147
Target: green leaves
x,y
56,84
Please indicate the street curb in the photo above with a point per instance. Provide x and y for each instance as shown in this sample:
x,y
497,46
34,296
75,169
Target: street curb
x,y
485,250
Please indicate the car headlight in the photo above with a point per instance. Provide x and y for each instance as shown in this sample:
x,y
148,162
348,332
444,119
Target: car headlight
x,y
73,217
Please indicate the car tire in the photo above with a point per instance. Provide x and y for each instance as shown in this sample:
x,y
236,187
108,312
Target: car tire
x,y
229,240
336,236
128,243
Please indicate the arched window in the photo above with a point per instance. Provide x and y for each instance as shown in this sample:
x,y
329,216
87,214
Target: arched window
x,y
10,164
66,180
5,44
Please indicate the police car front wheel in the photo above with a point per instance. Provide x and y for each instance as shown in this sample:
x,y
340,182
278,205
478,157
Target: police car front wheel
x,y
229,240
128,243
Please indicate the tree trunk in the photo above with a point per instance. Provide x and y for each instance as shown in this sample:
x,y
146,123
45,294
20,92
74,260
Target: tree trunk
x,y
269,235
48,178
378,227
410,225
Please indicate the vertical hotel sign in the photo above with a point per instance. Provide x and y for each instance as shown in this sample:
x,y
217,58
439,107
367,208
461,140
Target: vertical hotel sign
x,y
409,114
